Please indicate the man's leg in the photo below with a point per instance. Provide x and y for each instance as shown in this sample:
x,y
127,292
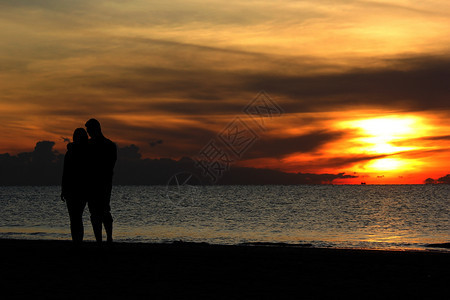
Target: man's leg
x,y
96,219
107,217
97,227
108,223
81,204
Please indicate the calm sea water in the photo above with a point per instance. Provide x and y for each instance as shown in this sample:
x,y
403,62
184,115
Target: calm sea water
x,y
384,216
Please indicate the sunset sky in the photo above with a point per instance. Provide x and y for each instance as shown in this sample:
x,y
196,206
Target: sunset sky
x,y
364,85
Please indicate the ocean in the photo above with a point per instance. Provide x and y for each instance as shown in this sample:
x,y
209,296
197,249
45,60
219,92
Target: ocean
x,y
340,216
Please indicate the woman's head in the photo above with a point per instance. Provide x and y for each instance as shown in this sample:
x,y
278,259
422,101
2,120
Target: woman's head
x,y
80,136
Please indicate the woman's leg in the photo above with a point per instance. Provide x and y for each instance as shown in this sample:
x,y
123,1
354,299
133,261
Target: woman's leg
x,y
80,227
76,208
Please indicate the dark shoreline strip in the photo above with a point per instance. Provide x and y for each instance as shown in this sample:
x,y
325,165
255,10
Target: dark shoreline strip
x,y
54,269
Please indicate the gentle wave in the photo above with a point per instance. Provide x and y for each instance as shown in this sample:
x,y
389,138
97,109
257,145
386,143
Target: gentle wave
x,y
374,217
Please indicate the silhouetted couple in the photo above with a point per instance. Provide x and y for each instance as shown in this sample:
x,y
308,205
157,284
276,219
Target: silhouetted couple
x,y
87,178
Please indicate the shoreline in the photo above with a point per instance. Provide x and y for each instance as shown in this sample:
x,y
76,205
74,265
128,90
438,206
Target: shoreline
x,y
50,268
434,247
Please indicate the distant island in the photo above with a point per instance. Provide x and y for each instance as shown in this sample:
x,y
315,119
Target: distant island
x,y
442,180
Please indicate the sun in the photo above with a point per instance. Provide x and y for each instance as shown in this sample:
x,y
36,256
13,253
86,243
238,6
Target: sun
x,y
387,126
380,134
386,164
387,137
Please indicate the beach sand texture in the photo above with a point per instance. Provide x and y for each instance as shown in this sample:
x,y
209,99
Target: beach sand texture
x,y
54,269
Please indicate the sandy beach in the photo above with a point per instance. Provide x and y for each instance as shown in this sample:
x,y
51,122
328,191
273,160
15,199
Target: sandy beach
x,y
54,269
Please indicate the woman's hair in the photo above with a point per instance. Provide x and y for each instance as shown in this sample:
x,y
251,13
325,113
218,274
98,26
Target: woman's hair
x,y
80,136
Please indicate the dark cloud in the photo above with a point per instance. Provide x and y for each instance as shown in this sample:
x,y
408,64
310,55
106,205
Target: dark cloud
x,y
436,138
409,84
277,147
411,154
43,166
189,140
266,176
348,161
129,153
195,107
351,160
132,170
335,162
340,162
421,141
155,143
419,83
172,141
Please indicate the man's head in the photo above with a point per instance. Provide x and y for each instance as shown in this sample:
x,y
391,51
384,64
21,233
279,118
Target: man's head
x,y
93,128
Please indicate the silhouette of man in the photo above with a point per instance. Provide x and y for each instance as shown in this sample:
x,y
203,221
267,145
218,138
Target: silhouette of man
x,y
102,158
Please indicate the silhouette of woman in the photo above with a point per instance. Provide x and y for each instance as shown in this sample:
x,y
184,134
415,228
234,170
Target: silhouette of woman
x,y
74,182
